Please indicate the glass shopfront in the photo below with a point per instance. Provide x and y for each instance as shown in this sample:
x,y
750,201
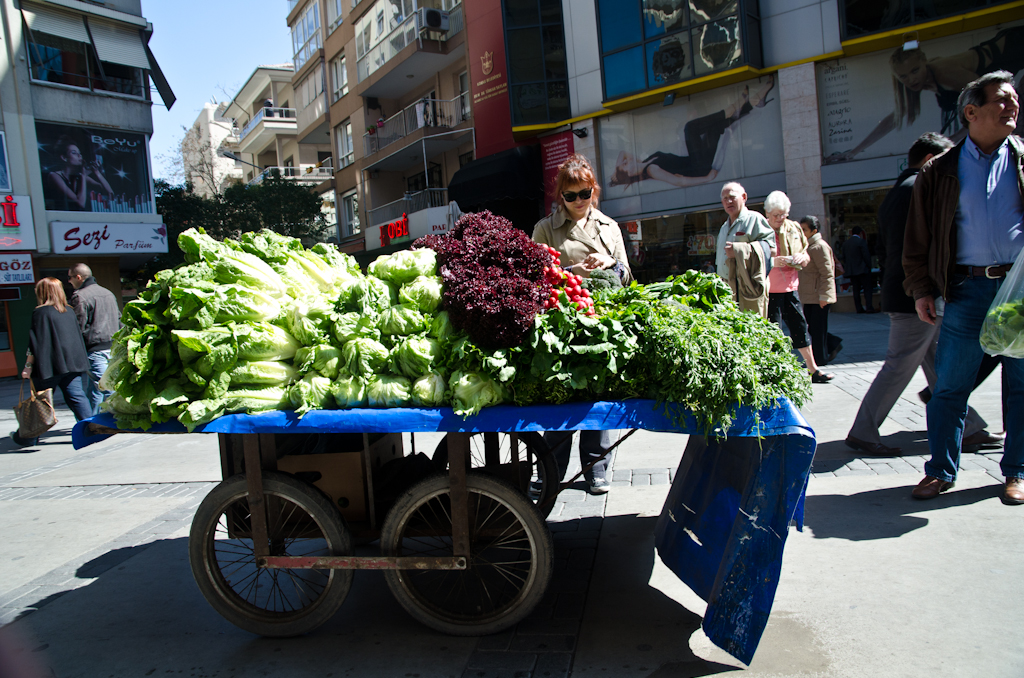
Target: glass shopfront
x,y
668,245
857,208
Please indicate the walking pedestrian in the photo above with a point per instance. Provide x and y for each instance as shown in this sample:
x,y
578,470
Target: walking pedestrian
x,y
857,260
964,232
99,318
817,287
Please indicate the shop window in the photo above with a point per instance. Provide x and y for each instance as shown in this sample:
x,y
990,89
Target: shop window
x,y
861,17
857,208
538,74
655,43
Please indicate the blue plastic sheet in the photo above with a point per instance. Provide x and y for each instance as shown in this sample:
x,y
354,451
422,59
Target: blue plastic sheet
x,y
723,527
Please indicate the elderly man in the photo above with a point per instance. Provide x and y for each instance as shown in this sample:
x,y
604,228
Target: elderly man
x,y
98,317
784,280
964,231
748,278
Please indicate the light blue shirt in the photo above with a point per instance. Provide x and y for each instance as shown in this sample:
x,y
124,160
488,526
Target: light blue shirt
x,y
989,212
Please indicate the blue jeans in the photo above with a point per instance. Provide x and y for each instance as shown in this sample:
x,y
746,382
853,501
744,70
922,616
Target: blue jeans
x,y
957,360
98,361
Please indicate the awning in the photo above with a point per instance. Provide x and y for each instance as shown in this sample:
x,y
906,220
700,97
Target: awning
x,y
159,80
42,20
119,44
513,174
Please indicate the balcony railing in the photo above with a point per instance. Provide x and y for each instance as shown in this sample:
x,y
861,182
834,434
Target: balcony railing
x,y
305,174
414,202
285,114
423,113
403,35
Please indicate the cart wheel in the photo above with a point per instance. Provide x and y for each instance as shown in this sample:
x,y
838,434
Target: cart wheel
x,y
509,564
544,477
269,602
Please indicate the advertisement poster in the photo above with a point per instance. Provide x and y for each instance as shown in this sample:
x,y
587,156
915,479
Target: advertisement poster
x,y
554,150
716,136
488,77
5,169
863,118
16,268
94,170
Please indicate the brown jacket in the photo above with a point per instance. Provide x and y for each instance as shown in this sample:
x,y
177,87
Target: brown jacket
x,y
575,244
929,244
818,278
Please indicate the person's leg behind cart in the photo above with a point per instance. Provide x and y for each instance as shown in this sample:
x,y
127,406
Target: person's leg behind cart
x,y
593,446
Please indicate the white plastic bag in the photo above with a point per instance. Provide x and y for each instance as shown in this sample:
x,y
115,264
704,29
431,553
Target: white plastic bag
x,y
1002,333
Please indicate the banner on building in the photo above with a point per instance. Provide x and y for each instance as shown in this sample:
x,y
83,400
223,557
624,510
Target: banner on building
x,y
16,268
488,74
107,238
17,230
876,105
728,133
94,170
554,150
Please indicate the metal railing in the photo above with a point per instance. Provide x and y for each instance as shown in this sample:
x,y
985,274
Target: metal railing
x,y
310,174
403,35
413,202
423,113
284,114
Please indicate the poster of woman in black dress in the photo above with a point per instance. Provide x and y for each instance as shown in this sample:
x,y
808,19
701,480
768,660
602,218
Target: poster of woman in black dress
x,y
93,170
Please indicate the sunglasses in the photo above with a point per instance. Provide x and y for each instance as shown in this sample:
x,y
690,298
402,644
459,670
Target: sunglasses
x,y
570,196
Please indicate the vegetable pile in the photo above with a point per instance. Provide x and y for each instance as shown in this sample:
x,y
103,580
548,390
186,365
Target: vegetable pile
x,y
480,317
1002,332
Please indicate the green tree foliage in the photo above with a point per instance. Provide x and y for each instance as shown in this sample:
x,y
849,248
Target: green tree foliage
x,y
275,203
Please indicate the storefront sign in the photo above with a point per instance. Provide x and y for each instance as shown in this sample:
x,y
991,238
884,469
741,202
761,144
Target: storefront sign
x,y
394,232
431,221
554,150
634,231
855,101
94,170
107,238
16,225
16,268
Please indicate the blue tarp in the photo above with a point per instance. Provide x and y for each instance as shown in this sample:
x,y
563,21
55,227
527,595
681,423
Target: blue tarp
x,y
722,529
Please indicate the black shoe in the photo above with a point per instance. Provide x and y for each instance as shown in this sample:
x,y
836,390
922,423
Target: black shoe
x,y
834,352
820,377
23,442
598,485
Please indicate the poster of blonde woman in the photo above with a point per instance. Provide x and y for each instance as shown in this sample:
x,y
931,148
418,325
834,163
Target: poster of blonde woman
x,y
708,137
861,118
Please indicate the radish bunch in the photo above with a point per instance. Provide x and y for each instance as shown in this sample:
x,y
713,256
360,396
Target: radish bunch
x,y
569,283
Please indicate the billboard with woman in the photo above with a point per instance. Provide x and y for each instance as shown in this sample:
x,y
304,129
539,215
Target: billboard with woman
x,y
93,170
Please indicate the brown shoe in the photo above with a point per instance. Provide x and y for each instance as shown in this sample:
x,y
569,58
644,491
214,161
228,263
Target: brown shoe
x,y
982,440
930,487
1013,493
874,449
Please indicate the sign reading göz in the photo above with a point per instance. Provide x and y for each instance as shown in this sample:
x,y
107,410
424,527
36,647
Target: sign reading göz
x,y
105,238
16,268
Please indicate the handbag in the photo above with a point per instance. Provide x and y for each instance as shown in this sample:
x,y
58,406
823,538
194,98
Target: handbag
x,y
35,414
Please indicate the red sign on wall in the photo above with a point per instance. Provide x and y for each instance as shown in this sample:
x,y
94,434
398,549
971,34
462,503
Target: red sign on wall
x,y
488,74
394,231
554,150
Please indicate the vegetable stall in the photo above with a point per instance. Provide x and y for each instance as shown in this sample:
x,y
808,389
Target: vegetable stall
x,y
290,354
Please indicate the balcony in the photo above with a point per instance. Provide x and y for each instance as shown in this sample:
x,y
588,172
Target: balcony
x,y
264,126
377,76
309,175
414,202
425,113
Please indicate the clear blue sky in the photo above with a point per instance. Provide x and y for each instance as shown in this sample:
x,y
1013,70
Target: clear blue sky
x,y
208,49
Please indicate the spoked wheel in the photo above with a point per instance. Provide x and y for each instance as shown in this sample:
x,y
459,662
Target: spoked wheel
x,y
492,453
509,565
269,602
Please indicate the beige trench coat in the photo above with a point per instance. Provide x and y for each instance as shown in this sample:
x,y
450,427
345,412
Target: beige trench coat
x,y
600,235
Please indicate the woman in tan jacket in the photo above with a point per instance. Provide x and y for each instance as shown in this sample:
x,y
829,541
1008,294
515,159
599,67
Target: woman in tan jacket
x,y
817,288
588,241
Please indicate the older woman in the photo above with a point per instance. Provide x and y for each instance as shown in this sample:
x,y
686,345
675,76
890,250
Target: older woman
x,y
587,241
783,281
817,287
56,351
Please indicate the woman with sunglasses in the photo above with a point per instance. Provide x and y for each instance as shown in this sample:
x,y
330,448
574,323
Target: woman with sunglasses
x,y
587,241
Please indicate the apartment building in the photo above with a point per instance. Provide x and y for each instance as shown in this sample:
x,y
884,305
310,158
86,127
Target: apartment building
x,y
818,98
209,171
75,179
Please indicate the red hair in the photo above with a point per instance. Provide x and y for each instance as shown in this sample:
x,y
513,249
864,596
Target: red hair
x,y
577,170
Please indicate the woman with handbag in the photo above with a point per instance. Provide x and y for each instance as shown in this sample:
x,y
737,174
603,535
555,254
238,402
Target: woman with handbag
x,y
56,351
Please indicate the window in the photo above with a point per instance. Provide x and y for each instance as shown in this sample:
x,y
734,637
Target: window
x,y
464,93
350,214
311,87
861,18
339,78
346,150
306,37
538,75
328,208
669,41
465,159
333,15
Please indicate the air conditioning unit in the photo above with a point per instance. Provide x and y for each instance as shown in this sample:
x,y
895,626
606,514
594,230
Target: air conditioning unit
x,y
430,19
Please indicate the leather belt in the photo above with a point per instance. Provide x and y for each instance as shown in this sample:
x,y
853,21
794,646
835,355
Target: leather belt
x,y
998,271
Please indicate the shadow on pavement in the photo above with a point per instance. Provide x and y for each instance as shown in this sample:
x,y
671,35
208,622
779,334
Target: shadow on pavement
x,y
880,514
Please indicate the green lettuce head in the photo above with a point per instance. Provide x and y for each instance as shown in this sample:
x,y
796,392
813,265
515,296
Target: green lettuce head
x,y
428,390
401,320
415,356
312,392
472,391
404,266
364,357
349,391
389,391
423,293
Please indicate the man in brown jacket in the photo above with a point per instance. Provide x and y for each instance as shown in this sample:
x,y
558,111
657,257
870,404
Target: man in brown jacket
x,y
964,231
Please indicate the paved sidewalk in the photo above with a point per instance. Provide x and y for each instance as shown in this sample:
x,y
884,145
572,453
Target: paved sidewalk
x,y
95,581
